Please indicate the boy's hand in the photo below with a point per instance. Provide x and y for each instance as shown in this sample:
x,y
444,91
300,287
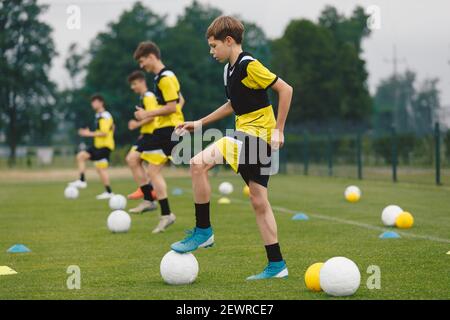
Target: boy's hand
x,y
188,126
133,124
84,132
277,139
139,113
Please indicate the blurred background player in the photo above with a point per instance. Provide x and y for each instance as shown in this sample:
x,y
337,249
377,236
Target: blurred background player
x,y
257,132
101,150
158,148
147,102
147,126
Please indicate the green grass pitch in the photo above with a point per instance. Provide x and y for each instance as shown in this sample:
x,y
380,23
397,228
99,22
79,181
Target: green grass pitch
x,y
64,232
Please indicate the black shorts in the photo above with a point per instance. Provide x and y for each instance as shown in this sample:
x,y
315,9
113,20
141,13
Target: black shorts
x,y
154,147
254,158
99,154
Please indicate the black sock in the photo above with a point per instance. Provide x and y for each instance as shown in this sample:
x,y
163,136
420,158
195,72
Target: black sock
x,y
108,189
164,204
147,191
82,178
274,252
202,215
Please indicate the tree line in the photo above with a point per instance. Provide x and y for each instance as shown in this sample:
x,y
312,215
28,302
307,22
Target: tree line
x,y
322,60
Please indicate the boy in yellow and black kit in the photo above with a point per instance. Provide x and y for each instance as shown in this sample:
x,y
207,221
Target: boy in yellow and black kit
x,y
103,146
168,114
248,150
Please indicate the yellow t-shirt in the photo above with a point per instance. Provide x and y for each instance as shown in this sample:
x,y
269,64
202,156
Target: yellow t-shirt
x,y
167,89
246,85
105,124
149,103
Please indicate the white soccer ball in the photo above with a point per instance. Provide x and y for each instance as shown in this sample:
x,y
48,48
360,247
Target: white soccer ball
x,y
71,192
117,202
179,268
352,189
225,188
390,214
340,277
119,221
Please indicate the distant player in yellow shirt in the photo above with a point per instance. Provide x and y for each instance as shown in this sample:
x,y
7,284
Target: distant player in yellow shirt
x,y
103,145
134,160
168,115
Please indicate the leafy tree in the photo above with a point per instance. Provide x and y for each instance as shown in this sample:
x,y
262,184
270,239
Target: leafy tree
x,y
111,61
322,61
26,93
399,104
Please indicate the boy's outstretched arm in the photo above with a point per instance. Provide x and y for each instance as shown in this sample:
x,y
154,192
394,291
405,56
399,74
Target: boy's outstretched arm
x,y
220,113
167,109
284,103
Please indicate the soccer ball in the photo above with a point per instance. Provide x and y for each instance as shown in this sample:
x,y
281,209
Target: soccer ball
x,y
225,188
390,214
352,194
339,277
312,277
71,192
179,268
119,221
117,202
404,220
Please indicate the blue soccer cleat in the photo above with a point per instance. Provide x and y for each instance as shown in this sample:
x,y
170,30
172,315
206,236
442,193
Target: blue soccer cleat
x,y
272,270
197,238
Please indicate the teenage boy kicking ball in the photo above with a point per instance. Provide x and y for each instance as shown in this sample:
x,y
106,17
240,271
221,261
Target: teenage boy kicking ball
x,y
246,83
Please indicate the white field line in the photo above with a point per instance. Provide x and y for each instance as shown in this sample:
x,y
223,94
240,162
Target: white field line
x,y
346,221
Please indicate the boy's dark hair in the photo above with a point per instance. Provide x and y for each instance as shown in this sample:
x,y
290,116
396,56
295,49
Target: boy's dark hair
x,y
145,48
136,75
98,97
225,26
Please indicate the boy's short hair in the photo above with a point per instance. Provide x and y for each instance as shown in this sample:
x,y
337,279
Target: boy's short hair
x,y
145,48
225,26
136,75
98,97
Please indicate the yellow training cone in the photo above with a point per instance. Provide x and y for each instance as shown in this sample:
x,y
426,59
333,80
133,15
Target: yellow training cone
x,y
5,270
224,200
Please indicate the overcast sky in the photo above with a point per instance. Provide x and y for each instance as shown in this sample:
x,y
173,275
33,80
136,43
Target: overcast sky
x,y
419,29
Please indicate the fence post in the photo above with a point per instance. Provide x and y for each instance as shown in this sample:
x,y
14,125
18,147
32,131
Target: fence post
x,y
437,138
305,153
330,154
394,155
359,155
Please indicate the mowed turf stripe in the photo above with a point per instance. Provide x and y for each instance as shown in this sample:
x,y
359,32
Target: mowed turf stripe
x,y
346,221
